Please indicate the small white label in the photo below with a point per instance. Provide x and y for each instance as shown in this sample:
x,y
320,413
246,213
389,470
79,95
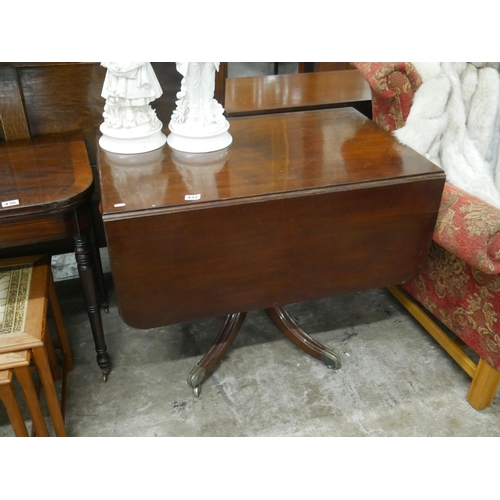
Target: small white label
x,y
192,197
10,203
116,205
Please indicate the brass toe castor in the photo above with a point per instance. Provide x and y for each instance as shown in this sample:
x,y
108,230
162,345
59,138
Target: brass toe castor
x,y
331,359
105,375
195,379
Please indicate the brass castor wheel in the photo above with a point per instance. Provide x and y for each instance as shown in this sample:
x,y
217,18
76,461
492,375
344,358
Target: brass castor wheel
x,y
331,359
195,379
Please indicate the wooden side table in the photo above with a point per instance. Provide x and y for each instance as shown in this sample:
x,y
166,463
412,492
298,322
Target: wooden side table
x,y
45,189
301,206
259,95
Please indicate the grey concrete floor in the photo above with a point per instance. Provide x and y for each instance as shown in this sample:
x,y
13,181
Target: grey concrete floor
x,y
394,381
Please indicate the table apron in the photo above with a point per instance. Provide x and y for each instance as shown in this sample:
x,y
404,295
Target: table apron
x,y
178,267
19,231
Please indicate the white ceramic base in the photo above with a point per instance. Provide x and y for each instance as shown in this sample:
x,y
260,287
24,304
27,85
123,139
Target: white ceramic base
x,y
198,140
131,141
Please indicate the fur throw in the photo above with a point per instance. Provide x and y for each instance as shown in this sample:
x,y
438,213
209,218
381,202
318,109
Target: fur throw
x,y
455,122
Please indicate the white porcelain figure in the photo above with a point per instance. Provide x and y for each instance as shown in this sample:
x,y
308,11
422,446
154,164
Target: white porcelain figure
x,y
198,124
130,124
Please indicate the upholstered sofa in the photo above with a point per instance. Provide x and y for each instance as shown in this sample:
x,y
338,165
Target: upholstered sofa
x,y
460,282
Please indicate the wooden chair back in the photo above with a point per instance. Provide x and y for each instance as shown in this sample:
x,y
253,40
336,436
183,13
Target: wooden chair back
x,y
309,67
51,98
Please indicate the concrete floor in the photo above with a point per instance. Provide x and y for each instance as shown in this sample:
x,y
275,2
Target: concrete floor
x,y
394,381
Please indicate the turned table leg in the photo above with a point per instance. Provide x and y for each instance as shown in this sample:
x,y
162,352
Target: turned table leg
x,y
86,271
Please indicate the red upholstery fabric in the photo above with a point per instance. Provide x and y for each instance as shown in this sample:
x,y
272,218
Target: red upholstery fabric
x,y
463,298
460,282
393,86
470,229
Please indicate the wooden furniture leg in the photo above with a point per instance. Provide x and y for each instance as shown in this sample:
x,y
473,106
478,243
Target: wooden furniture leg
x,y
223,341
42,364
25,380
284,322
60,328
19,363
232,326
87,275
484,386
8,396
51,354
102,292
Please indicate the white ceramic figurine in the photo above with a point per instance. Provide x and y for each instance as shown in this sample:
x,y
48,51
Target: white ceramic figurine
x,y
198,124
130,124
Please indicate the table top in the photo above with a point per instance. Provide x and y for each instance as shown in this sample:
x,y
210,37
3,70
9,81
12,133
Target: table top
x,y
299,91
279,154
46,174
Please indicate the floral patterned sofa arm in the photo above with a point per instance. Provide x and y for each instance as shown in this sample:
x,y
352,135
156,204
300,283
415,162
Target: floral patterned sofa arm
x,y
469,228
393,85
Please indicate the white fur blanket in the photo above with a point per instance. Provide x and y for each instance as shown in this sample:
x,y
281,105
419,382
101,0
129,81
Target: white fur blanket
x,y
455,122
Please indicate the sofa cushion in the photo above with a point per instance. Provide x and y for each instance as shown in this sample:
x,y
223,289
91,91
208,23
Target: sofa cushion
x,y
470,229
393,86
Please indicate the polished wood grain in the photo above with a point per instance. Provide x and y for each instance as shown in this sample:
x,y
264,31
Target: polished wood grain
x,y
297,92
9,399
48,174
65,97
13,122
301,206
220,346
39,98
292,331
50,180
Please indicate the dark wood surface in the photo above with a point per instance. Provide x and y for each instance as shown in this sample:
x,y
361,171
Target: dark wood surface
x,y
40,98
297,92
301,206
65,97
46,175
46,183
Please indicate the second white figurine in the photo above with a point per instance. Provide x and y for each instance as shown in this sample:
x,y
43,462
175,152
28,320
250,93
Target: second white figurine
x,y
198,124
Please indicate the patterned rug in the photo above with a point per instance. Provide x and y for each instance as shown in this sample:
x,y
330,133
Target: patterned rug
x,y
14,292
